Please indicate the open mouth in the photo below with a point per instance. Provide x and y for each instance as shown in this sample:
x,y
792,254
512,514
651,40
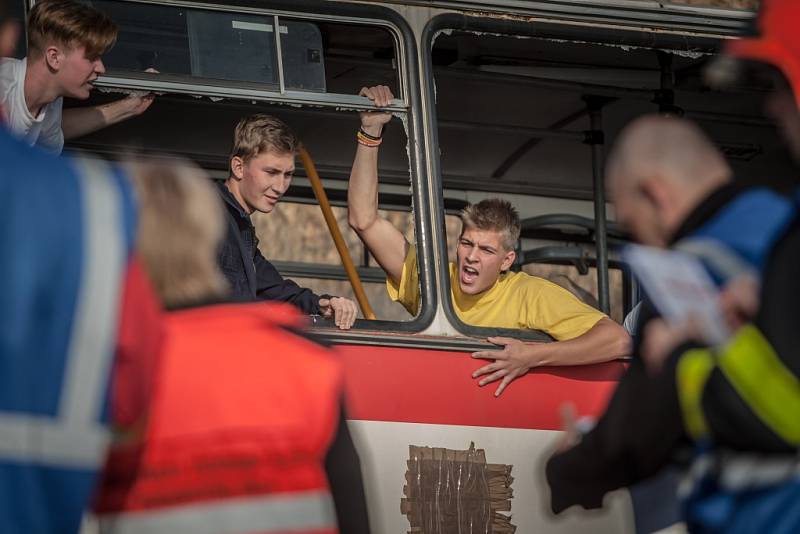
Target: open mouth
x,y
468,274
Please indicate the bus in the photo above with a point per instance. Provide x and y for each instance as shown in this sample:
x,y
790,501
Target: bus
x,y
518,99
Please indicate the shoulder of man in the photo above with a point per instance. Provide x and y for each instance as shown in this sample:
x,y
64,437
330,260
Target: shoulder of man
x,y
9,73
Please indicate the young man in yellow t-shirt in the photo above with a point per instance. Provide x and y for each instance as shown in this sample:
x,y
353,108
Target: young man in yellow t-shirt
x,y
484,292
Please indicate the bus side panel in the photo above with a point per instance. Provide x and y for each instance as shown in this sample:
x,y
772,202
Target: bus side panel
x,y
399,397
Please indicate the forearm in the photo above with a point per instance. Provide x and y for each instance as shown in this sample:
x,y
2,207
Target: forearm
x,y
362,193
385,242
77,122
605,341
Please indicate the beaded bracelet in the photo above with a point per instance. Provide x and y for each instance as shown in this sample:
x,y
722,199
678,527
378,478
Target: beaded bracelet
x,y
368,140
369,136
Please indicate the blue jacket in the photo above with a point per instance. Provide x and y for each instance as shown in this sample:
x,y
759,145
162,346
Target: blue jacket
x,y
643,429
250,275
67,235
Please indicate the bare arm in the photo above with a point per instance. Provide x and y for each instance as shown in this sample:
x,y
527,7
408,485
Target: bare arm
x,y
605,341
385,242
82,121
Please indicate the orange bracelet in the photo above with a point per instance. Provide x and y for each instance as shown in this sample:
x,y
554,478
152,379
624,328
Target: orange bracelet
x,y
367,141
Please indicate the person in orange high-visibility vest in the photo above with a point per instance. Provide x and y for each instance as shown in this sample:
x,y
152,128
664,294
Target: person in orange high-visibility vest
x,y
246,432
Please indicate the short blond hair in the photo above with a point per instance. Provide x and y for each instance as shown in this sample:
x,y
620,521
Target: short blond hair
x,y
494,214
70,24
258,134
181,224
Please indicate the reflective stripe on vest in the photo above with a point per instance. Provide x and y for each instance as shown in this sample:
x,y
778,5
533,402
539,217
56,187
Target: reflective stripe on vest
x,y
764,383
74,437
694,368
723,260
311,511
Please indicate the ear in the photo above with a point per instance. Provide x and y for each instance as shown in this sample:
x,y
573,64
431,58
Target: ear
x,y
53,56
237,167
657,192
508,261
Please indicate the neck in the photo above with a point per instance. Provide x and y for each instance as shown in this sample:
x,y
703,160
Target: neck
x,y
39,86
233,186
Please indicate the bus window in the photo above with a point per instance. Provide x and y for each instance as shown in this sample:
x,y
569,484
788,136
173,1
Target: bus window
x,y
526,112
216,65
306,255
192,47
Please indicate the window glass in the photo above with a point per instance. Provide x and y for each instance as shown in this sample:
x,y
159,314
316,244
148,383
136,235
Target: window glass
x,y
730,4
316,56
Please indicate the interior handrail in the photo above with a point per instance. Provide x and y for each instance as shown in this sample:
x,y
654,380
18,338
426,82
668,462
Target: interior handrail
x,y
336,234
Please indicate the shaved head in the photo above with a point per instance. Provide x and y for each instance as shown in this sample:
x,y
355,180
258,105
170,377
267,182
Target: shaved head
x,y
674,148
659,170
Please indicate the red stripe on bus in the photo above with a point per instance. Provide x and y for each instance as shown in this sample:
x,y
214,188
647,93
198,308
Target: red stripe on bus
x,y
436,387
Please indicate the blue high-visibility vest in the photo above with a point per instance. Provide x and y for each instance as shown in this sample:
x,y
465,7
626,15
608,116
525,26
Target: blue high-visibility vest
x,y
66,235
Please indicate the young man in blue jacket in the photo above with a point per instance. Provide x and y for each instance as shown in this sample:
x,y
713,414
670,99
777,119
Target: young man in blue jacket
x,y
261,170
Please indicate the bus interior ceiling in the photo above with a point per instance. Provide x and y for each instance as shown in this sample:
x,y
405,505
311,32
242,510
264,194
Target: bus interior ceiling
x,y
512,119
491,88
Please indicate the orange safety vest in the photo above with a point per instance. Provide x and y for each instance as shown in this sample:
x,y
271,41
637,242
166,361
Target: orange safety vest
x,y
241,420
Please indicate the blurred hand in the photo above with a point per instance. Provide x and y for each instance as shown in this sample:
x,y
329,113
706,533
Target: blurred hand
x,y
344,311
513,361
739,301
372,121
660,339
571,436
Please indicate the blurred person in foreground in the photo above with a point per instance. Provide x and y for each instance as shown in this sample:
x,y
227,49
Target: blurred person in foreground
x,y
708,405
261,170
79,330
247,431
66,40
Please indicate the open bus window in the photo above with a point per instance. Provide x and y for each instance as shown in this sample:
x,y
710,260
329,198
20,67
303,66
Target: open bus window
x,y
306,255
348,53
527,111
212,46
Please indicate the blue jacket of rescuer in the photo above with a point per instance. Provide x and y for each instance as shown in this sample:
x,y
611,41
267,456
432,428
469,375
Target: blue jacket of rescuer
x,y
66,267
735,406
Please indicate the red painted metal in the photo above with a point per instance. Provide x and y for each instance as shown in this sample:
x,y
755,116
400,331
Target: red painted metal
x,y
436,387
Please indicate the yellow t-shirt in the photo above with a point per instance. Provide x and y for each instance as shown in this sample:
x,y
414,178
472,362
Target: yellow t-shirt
x,y
517,300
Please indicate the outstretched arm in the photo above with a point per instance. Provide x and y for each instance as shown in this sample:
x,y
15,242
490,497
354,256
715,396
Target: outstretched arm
x,y
385,242
82,121
605,341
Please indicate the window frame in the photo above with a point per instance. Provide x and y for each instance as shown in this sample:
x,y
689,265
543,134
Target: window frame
x,y
187,84
448,22
409,107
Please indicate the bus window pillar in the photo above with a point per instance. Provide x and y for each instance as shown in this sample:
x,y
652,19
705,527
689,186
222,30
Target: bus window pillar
x,y
595,138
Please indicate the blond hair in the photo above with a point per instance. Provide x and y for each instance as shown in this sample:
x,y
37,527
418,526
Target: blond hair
x,y
496,215
181,223
257,134
70,24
